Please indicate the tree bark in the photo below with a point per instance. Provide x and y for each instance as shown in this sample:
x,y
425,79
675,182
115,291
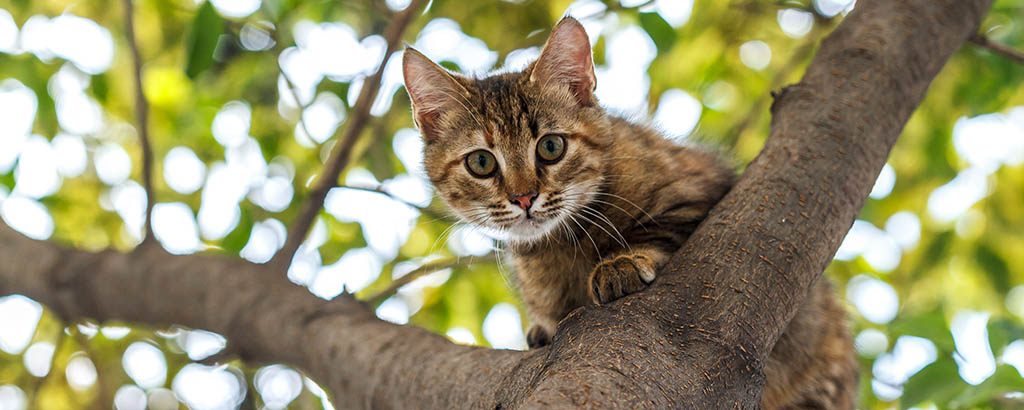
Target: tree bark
x,y
698,337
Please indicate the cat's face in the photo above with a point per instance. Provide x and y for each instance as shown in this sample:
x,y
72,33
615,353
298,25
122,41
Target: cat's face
x,y
520,152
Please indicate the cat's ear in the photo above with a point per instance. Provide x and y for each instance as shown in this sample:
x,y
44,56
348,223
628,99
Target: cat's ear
x,y
566,61
431,88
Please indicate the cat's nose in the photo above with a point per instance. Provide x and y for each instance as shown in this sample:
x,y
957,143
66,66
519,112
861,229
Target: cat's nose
x,y
525,200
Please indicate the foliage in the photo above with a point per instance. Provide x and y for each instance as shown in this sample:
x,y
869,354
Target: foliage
x,y
944,258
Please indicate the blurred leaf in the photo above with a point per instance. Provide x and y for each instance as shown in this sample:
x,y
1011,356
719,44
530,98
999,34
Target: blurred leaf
x,y
930,325
661,32
938,382
202,39
994,266
1001,332
236,240
1006,379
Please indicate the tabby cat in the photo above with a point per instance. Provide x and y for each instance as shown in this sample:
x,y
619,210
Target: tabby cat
x,y
592,204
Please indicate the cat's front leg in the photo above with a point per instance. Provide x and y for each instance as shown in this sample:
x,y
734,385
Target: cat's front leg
x,y
627,273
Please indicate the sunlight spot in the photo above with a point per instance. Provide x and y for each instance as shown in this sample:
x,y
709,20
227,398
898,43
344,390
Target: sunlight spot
x,y
397,5
130,397
393,310
129,201
256,37
207,388
876,300
115,332
70,154
80,372
236,8
970,336
183,171
27,216
20,317
175,227
461,335
355,270
467,240
675,12
8,33
1013,355
442,39
265,239
883,185
905,228
871,343
78,113
322,117
891,370
81,41
386,223
953,199
720,96
161,399
989,141
795,23
145,364
678,113
231,124
219,212
12,398
317,391
18,106
755,54
200,344
622,90
518,59
278,385
113,164
503,328
38,358
305,264
1015,301
36,174
830,8
631,49
390,84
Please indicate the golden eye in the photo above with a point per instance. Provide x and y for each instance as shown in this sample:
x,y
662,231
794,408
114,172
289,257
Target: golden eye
x,y
481,163
550,148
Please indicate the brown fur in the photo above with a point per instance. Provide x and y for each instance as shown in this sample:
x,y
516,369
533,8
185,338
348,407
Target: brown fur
x,y
608,213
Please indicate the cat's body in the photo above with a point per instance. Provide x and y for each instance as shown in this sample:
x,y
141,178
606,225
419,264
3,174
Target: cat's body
x,y
593,204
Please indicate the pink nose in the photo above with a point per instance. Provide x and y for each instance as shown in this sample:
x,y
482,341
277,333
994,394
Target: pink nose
x,y
524,201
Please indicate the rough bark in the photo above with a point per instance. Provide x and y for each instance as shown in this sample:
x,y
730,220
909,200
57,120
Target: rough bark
x,y
697,338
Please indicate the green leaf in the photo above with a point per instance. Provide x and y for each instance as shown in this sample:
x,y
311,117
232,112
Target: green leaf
x,y
202,39
661,32
929,325
1001,332
938,382
1006,379
994,265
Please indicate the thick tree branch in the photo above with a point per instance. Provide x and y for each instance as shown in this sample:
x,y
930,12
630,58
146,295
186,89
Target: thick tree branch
x,y
341,152
697,338
141,120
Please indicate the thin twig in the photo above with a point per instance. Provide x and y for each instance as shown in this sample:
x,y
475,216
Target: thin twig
x,y
997,48
293,90
379,189
340,155
141,121
426,270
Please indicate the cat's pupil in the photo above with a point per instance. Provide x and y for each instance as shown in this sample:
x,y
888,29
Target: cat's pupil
x,y
482,161
550,146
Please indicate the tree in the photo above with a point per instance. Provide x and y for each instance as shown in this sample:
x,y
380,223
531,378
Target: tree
x,y
674,345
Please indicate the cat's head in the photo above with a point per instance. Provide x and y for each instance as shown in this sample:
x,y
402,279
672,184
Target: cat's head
x,y
517,152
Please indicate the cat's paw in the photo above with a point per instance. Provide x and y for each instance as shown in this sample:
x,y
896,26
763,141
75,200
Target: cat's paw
x,y
537,336
620,276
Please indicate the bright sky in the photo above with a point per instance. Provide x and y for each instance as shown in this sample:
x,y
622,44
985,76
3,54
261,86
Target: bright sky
x,y
87,138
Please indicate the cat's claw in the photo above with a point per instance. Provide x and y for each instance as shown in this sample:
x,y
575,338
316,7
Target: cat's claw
x,y
620,276
537,337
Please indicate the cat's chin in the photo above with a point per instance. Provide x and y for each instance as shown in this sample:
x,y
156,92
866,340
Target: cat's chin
x,y
529,230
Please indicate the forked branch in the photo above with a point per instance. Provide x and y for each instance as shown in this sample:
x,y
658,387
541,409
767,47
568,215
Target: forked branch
x,y
341,154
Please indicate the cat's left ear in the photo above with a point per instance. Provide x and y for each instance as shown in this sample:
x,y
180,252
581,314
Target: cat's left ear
x,y
567,61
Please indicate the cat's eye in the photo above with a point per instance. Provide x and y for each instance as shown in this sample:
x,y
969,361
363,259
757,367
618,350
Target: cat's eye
x,y
481,163
550,148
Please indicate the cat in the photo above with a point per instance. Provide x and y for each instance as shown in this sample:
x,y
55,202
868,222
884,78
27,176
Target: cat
x,y
593,204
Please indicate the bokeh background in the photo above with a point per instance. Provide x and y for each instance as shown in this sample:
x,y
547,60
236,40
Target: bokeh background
x,y
247,97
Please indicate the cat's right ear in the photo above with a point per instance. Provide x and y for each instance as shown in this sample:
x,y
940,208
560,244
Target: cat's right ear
x,y
432,90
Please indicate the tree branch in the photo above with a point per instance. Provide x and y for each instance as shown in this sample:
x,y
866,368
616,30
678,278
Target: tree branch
x,y
340,155
673,345
998,48
141,121
424,270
